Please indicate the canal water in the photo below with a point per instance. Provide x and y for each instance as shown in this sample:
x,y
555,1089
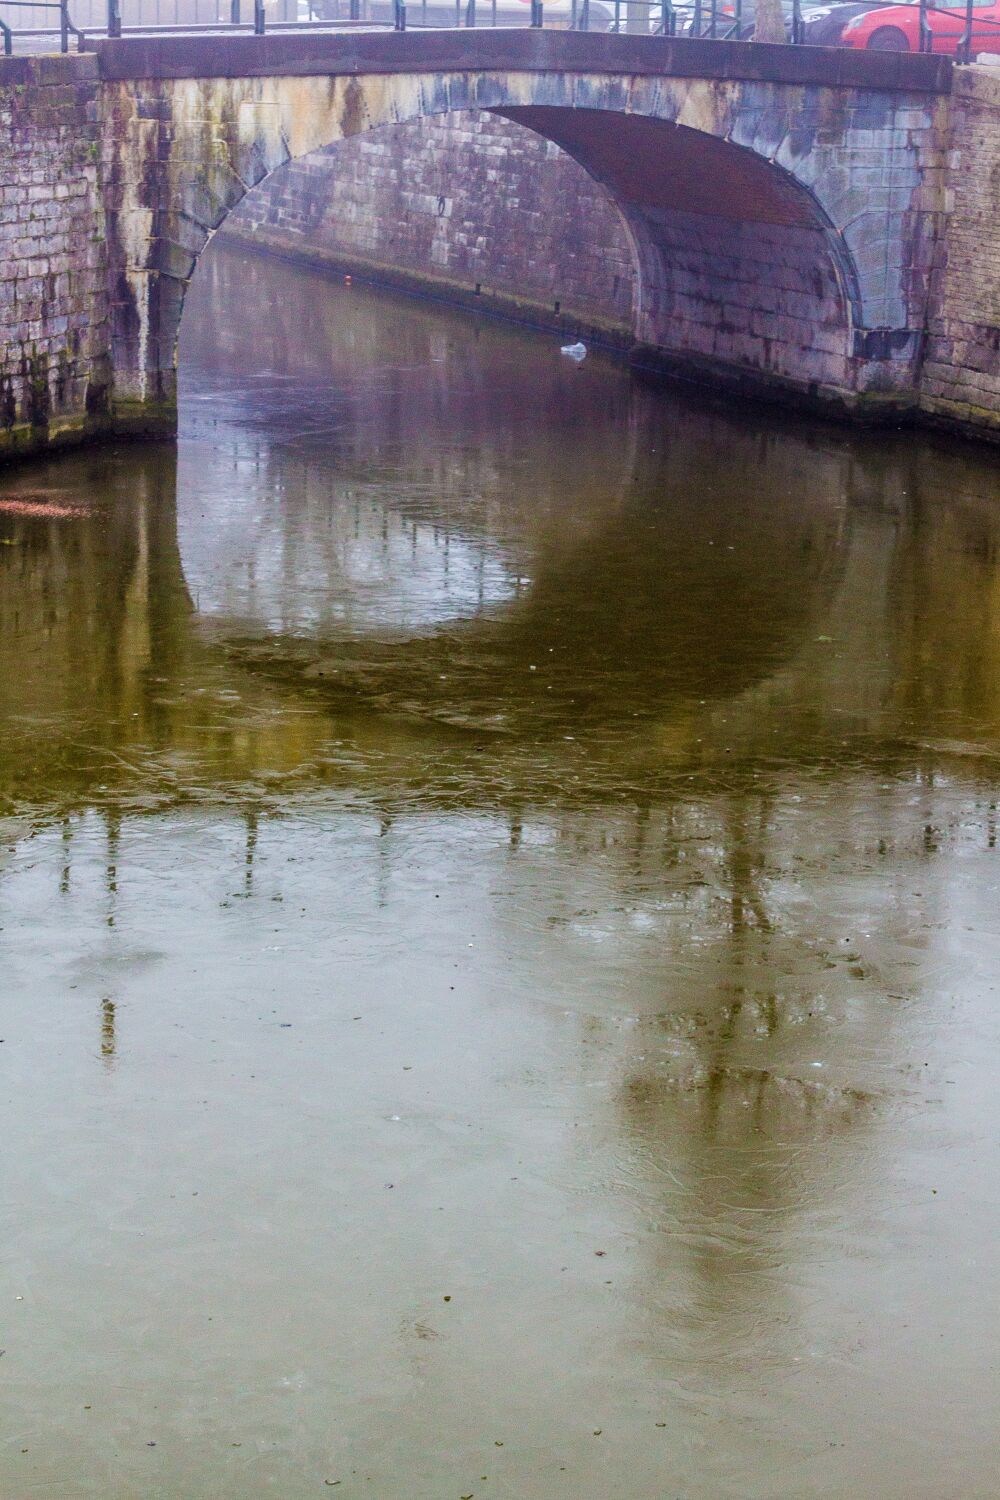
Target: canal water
x,y
499,934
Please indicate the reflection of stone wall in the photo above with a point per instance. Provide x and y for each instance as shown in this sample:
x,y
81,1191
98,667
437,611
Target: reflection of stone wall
x,y
451,203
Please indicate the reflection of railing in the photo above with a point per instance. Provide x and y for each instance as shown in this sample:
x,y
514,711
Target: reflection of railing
x,y
705,19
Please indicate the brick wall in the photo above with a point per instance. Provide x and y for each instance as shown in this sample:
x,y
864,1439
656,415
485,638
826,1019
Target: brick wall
x,y
54,365
453,202
961,377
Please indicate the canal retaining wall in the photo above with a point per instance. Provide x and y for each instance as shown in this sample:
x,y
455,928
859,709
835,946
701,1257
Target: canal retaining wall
x,y
468,207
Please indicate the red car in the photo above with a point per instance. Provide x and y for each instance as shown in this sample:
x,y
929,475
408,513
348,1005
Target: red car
x,y
896,28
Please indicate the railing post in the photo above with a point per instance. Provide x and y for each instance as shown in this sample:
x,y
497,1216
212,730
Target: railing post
x,y
617,23
234,12
355,10
399,14
8,38
536,13
470,13
114,18
63,25
926,39
696,19
963,52
259,20
797,23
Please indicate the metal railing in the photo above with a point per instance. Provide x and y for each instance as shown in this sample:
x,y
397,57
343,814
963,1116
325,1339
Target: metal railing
x,y
63,29
708,19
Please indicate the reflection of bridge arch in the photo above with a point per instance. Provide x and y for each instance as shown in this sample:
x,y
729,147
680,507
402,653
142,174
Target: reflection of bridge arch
x,y
147,696
646,587
634,584
765,250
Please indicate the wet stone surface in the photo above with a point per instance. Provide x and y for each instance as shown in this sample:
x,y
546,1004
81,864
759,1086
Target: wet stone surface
x,y
499,929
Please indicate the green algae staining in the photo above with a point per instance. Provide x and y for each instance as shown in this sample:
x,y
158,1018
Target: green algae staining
x,y
498,931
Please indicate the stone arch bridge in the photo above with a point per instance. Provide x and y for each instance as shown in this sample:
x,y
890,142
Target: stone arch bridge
x,y
785,204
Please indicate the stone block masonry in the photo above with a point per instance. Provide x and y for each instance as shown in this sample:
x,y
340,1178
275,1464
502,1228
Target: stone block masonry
x,y
55,366
477,208
961,375
801,223
464,206
444,205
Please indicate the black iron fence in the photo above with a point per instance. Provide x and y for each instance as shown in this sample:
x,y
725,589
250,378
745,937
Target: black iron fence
x,y
56,21
62,29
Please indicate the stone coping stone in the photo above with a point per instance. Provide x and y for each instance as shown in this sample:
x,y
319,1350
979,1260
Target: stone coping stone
x,y
48,68
511,50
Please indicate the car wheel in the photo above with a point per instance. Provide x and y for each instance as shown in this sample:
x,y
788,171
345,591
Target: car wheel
x,y
888,39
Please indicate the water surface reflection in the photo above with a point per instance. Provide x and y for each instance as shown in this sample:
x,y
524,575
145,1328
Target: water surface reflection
x,y
498,914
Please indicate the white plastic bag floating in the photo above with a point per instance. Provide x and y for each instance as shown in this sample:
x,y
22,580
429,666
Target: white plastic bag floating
x,y
574,351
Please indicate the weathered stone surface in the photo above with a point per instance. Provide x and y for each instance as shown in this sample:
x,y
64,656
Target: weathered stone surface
x,y
54,366
466,206
961,375
714,224
801,222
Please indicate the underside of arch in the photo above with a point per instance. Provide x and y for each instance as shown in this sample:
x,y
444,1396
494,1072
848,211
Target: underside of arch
x,y
741,273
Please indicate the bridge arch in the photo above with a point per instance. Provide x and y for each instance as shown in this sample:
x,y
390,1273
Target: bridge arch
x,y
765,256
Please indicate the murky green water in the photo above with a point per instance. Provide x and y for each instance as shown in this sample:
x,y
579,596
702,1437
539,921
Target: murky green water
x,y
499,935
